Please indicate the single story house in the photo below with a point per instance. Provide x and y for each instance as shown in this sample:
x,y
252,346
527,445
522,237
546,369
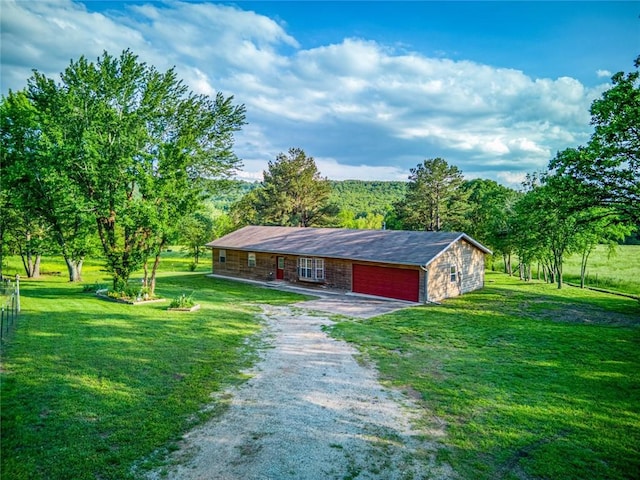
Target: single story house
x,y
406,265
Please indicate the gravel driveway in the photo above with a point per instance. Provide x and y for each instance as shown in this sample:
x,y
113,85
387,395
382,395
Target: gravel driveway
x,y
309,412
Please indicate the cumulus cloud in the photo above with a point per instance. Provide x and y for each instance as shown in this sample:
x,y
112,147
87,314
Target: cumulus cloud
x,y
603,73
361,108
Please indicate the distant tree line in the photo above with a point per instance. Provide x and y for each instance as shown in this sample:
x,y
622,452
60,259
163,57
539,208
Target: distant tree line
x,y
588,195
120,160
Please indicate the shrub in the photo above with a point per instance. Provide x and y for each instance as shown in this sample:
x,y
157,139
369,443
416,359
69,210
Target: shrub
x,y
92,287
183,301
130,292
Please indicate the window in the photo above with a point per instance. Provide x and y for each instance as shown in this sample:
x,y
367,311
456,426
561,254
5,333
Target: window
x,y
222,257
453,272
251,259
311,268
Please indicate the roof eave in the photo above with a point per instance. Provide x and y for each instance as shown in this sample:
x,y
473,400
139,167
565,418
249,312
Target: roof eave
x,y
298,254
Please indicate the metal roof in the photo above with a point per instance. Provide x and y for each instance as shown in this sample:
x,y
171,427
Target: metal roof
x,y
385,246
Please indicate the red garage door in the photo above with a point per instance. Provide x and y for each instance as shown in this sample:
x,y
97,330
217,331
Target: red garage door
x,y
389,282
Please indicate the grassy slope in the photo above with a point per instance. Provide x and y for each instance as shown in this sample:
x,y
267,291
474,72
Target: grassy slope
x,y
531,382
619,272
89,387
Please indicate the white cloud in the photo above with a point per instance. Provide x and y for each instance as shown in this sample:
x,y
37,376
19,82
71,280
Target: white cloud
x,y
361,108
603,74
334,170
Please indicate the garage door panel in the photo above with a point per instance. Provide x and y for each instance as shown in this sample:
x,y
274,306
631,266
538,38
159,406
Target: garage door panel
x,y
399,283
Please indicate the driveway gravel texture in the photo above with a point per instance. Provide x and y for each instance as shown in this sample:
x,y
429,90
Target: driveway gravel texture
x,y
310,411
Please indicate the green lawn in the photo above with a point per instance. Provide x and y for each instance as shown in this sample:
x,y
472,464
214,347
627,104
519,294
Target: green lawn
x,y
91,387
530,381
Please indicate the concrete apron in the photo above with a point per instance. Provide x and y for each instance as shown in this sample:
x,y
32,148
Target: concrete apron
x,y
335,302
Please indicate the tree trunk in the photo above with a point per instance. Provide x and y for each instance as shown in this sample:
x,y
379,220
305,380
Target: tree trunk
x,y
558,269
35,267
1,251
145,279
75,269
31,265
583,266
154,270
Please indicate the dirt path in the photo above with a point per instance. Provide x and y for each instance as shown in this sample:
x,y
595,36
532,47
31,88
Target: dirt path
x,y
310,411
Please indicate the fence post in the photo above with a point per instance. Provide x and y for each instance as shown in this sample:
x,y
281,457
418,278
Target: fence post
x,y
18,292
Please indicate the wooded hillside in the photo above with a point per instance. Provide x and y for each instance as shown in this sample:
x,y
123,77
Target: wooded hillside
x,y
359,196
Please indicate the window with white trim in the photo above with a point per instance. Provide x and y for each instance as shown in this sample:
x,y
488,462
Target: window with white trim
x,y
453,273
222,256
311,268
251,259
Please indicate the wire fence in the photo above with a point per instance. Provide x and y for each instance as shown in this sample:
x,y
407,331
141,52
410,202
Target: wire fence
x,y
10,305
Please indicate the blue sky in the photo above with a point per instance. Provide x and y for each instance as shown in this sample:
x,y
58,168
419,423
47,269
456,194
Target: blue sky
x,y
369,89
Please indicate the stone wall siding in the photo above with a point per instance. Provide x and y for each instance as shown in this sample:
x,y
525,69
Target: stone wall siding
x,y
337,272
469,264
468,260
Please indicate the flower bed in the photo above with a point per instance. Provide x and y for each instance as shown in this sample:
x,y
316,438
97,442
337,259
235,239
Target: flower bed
x,y
105,294
185,309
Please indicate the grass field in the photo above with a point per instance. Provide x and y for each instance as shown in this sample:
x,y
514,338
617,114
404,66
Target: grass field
x,y
619,272
92,388
529,381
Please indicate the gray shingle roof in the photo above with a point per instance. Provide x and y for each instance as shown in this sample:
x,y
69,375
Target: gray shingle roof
x,y
386,246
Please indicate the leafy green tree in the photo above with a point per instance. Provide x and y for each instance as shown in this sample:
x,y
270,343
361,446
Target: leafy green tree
x,y
601,230
222,224
435,199
370,221
552,222
489,216
245,211
293,192
607,169
489,207
363,197
139,150
34,155
195,231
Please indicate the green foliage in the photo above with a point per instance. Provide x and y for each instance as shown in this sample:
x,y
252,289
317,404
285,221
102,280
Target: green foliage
x,y
221,200
552,222
435,199
524,381
607,169
364,198
92,287
94,389
195,231
370,221
130,148
183,301
129,291
35,161
488,218
292,194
